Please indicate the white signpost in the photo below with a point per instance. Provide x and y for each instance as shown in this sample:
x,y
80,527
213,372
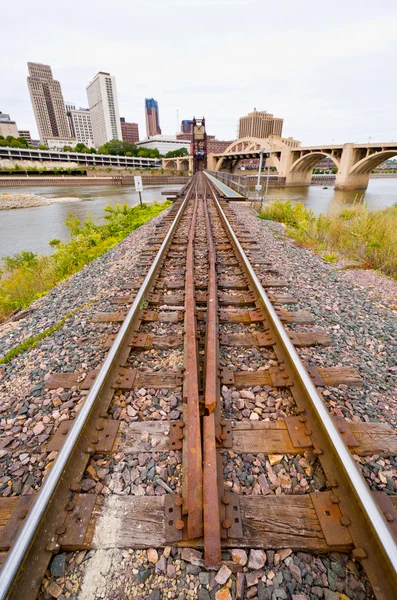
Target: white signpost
x,y
138,186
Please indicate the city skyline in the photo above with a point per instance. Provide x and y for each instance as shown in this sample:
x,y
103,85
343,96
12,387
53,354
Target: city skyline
x,y
329,79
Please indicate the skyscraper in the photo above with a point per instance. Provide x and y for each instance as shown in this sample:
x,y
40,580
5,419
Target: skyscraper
x,y
104,109
152,117
47,101
130,131
81,126
260,124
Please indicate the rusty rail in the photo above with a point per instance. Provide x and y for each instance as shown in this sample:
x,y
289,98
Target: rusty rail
x,y
194,452
212,530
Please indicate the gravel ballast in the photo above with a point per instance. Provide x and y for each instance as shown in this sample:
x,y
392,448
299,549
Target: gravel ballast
x,y
363,329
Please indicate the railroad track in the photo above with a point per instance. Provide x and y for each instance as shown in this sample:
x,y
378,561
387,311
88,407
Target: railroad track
x,y
166,392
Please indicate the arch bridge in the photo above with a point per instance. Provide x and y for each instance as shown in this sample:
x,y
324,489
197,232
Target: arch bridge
x,y
354,162
180,163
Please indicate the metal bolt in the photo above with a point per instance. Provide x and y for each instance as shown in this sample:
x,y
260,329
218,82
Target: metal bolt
x,y
225,500
226,524
308,432
335,499
345,521
179,501
60,530
179,524
389,517
303,419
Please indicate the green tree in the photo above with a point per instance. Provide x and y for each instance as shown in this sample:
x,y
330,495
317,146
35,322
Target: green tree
x,y
177,153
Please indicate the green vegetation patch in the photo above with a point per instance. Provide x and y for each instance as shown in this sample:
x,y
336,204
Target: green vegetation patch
x,y
26,276
32,342
367,236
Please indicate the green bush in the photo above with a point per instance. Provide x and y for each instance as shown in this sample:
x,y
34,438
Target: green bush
x,y
368,236
27,276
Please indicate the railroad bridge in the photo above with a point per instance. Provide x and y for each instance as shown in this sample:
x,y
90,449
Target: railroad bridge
x,y
353,161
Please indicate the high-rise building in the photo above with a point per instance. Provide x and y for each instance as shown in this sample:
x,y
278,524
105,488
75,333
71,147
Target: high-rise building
x,y
104,109
25,134
130,131
69,106
81,126
260,124
47,101
8,127
187,126
152,117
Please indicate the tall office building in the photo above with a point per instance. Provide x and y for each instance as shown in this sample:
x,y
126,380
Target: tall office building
x,y
152,117
7,126
47,101
260,124
104,109
25,134
187,126
81,126
129,131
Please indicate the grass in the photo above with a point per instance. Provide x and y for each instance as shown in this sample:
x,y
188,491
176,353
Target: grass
x,y
26,276
367,236
33,341
330,257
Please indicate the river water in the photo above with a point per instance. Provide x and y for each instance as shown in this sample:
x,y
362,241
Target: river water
x,y
32,228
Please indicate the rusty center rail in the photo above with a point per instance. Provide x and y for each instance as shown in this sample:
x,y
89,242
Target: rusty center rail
x,y
212,530
194,455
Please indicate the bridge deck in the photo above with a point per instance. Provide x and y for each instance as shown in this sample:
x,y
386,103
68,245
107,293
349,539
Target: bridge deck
x,y
226,190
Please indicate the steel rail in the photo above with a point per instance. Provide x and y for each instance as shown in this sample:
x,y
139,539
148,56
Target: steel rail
x,y
373,516
212,530
27,535
194,451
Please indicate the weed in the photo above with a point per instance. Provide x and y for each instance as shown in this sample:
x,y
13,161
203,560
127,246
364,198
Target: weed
x,y
361,234
330,257
33,341
27,276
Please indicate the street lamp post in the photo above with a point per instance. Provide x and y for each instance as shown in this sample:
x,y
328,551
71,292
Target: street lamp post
x,y
258,186
268,168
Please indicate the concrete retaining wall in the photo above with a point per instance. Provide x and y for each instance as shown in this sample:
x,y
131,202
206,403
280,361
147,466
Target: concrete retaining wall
x,y
12,181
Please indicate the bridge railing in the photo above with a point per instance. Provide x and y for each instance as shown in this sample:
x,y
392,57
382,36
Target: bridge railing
x,y
244,184
235,182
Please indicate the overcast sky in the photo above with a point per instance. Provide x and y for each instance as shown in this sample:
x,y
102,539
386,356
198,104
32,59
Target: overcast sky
x,y
327,68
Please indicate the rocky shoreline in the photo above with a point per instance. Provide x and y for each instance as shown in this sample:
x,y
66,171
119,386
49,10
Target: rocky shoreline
x,y
11,201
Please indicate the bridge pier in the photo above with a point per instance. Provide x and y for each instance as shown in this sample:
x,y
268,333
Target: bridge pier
x,y
346,178
292,178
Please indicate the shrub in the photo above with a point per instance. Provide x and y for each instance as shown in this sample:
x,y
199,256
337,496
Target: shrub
x,y
369,236
27,276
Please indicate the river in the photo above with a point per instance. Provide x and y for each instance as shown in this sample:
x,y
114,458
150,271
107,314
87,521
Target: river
x,y
32,228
